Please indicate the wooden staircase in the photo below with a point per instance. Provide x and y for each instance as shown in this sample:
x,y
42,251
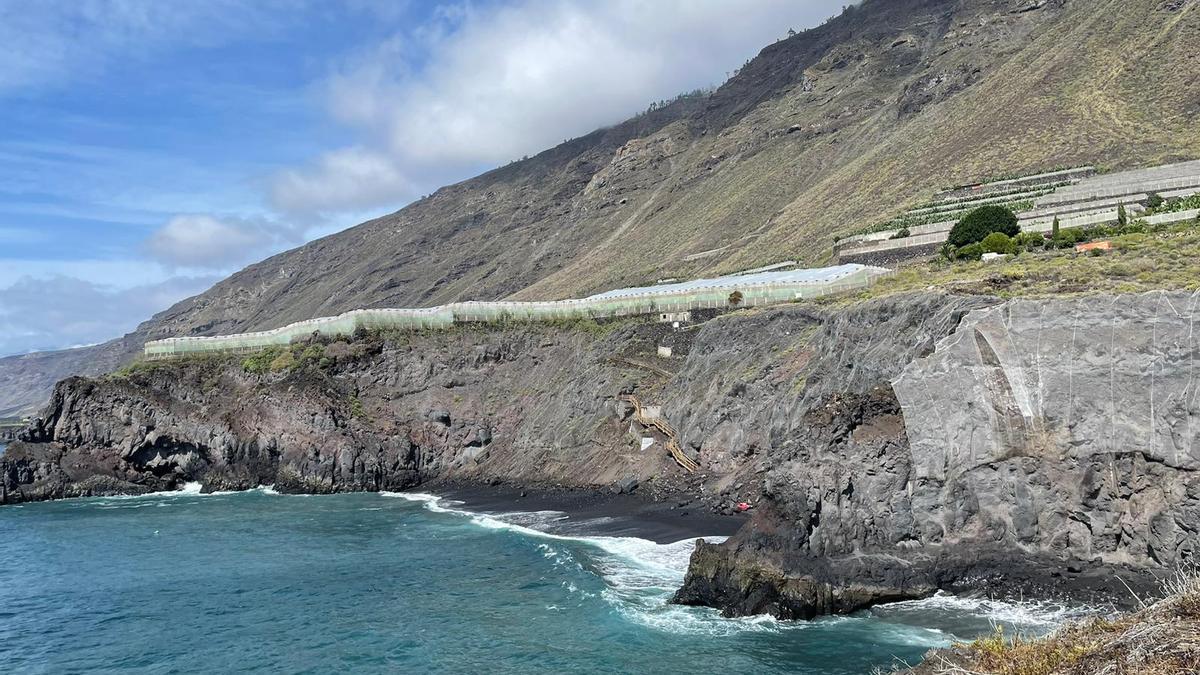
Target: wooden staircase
x,y
666,429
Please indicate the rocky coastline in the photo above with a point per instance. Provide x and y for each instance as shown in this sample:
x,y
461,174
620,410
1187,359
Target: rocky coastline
x,y
889,448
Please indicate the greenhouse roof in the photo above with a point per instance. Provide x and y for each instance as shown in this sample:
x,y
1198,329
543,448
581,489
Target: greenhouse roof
x,y
817,275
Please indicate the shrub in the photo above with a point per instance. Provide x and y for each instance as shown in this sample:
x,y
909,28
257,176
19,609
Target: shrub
x,y
357,410
1074,234
260,362
983,221
284,361
1154,200
1069,237
997,242
969,252
313,352
1054,229
1122,217
901,233
1029,240
947,250
735,298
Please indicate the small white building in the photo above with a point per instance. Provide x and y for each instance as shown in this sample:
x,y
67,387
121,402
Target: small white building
x,y
674,317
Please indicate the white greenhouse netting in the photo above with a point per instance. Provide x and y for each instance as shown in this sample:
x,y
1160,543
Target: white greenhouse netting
x,y
764,288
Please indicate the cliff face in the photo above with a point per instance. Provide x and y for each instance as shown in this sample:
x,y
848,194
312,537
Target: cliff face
x,y
821,133
1040,435
1083,412
890,447
531,405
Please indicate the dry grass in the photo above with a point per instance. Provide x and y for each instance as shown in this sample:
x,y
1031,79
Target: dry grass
x,y
1160,639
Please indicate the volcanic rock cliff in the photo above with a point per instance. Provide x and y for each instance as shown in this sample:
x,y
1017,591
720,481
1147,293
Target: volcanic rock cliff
x,y
1041,446
821,133
886,445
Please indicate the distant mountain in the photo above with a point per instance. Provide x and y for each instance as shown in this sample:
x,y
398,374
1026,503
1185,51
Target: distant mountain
x,y
821,134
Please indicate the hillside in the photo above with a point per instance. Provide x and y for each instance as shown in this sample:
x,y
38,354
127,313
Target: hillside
x,y
820,134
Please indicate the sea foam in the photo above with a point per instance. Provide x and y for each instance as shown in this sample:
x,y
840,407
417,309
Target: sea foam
x,y
640,576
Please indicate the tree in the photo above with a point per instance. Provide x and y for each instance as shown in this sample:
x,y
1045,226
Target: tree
x,y
1054,229
983,221
735,298
1122,217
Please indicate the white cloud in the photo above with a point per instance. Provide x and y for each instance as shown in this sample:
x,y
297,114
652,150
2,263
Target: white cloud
x,y
349,178
485,84
199,241
60,311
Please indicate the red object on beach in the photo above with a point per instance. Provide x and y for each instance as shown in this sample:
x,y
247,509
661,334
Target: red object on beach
x,y
743,506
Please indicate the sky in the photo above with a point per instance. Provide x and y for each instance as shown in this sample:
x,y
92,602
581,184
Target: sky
x,y
150,148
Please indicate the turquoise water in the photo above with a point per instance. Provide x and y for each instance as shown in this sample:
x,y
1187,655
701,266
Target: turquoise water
x,y
394,583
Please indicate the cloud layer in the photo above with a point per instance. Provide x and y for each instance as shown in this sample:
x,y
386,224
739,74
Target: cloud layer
x,y
60,311
201,241
49,43
482,85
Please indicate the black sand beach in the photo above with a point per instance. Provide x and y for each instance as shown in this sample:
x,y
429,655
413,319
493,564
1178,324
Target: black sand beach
x,y
597,513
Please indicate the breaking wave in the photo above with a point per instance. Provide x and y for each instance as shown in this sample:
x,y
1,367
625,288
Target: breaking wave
x,y
640,577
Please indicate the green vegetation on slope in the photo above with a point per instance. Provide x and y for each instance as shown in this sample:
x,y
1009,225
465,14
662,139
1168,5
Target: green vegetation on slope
x,y
1160,259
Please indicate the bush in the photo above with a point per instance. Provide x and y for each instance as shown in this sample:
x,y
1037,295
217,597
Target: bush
x,y
983,221
901,233
1122,217
1154,200
1029,240
284,361
969,252
314,352
1069,237
1054,228
947,250
260,362
997,242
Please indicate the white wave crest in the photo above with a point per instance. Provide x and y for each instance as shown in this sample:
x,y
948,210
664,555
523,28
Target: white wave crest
x,y
1038,615
640,574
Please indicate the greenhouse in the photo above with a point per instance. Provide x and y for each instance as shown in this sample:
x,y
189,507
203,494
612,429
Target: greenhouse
x,y
748,290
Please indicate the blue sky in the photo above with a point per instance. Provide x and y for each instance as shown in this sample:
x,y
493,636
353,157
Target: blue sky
x,y
149,148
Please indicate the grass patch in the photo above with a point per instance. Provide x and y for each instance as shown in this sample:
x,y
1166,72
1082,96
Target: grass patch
x,y
146,367
286,358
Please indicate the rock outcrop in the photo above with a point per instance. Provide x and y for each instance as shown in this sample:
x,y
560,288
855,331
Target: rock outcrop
x,y
1045,445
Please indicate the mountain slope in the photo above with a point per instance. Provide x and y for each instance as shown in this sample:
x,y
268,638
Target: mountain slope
x,y
820,134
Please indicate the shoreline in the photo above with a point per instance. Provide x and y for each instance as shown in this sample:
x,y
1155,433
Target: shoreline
x,y
588,511
595,512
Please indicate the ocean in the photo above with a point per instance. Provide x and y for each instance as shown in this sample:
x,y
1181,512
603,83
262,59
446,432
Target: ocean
x,y
262,582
